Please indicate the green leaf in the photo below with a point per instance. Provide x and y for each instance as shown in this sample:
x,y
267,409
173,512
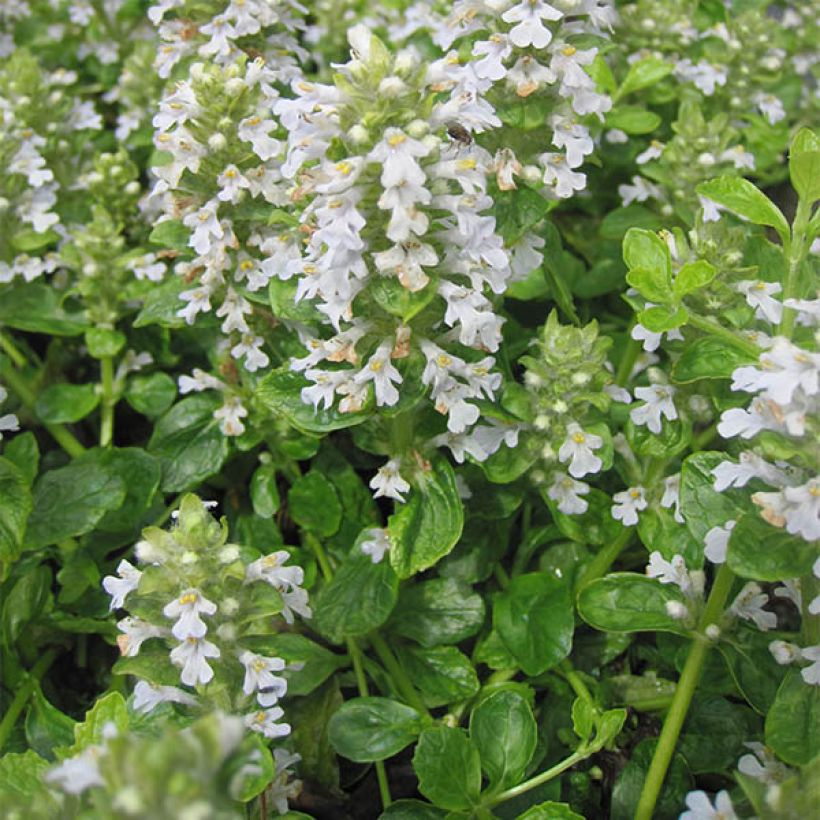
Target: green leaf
x,y
644,73
151,395
632,119
550,811
448,767
517,212
584,716
35,306
47,728
24,453
254,769
743,198
314,504
804,164
282,297
763,552
28,241
368,729
714,734
71,501
265,491
25,602
442,674
652,283
429,524
395,299
22,778
645,249
280,391
628,602
170,234
189,443
310,717
534,617
662,319
358,599
693,276
503,728
439,611
108,709
162,303
756,673
66,403
618,221
791,725
412,810
15,506
707,358
104,342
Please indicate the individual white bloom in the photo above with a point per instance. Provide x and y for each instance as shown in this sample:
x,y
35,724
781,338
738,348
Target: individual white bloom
x,y
670,572
295,600
717,542
762,765
507,167
567,492
259,677
783,652
119,587
398,154
78,773
530,31
749,605
750,465
283,789
264,721
9,423
671,496
251,348
388,481
199,301
560,177
198,381
616,136
528,75
230,416
135,633
147,696
758,295
739,157
376,544
83,116
271,568
701,808
191,655
795,508
574,138
383,374
406,261
205,227
791,591
493,52
525,255
703,74
654,151
186,609
770,106
256,131
657,403
639,190
231,183
234,308
147,267
783,369
677,610
808,310
811,674
627,505
577,449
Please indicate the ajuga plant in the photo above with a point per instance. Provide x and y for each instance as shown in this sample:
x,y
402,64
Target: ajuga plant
x,y
409,409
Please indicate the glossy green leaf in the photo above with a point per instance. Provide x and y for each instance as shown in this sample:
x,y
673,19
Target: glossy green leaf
x,y
368,729
151,395
15,506
763,552
791,725
314,504
693,276
66,403
162,304
662,319
644,73
47,728
36,307
804,164
110,709
448,767
632,119
645,249
707,358
743,198
104,342
652,283
27,599
442,674
550,811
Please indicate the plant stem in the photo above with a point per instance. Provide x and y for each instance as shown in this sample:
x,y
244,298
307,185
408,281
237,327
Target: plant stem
x,y
397,673
23,694
107,404
795,252
361,681
714,328
601,563
58,432
533,782
633,350
684,692
575,681
10,349
321,556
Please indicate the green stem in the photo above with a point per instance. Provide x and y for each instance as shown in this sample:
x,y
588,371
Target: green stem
x,y
633,350
795,252
714,328
501,576
397,673
533,782
10,349
361,681
58,432
575,681
601,563
702,439
684,692
321,556
107,404
23,694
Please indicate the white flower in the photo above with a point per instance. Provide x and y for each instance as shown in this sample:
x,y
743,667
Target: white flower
x,y
704,75
770,106
783,369
654,151
559,175
118,588
495,50
230,416
231,183
669,572
577,449
256,131
382,373
639,190
388,482
192,656
749,605
147,696
271,568
264,721
76,774
205,225
530,31
728,474
783,652
671,496
198,301
187,608
795,508
259,677
135,632
811,674
567,492
295,600
762,765
657,403
376,544
251,348
717,542
701,808
739,157
759,296
627,505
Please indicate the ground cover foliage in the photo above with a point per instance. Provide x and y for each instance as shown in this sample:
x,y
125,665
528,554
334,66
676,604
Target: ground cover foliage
x,y
409,410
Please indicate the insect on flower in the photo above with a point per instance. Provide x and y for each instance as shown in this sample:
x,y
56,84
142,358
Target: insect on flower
x,y
458,133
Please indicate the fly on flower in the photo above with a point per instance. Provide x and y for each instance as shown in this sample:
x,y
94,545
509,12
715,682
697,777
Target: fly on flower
x,y
459,134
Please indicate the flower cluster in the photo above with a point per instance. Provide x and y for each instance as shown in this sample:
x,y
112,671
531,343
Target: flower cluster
x,y
211,602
